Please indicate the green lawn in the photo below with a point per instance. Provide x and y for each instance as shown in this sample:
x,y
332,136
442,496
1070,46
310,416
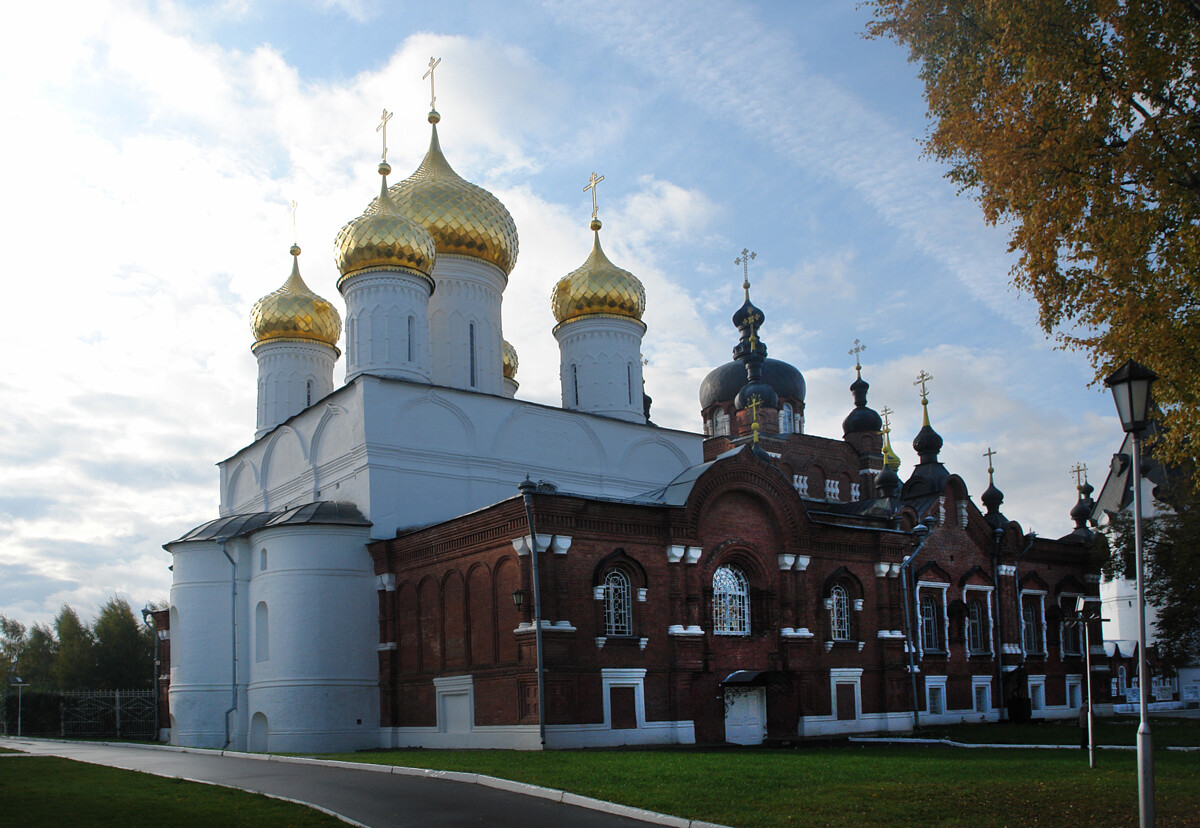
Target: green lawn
x,y
45,791
1120,730
848,785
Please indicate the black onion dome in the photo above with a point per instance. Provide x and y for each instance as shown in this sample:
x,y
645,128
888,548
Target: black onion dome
x,y
992,498
767,397
927,444
887,482
1082,510
748,316
723,382
862,419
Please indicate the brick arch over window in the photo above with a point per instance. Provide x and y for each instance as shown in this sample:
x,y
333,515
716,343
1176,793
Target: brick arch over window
x,y
840,592
619,558
759,480
737,555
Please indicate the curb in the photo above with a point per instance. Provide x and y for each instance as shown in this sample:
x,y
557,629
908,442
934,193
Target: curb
x,y
522,788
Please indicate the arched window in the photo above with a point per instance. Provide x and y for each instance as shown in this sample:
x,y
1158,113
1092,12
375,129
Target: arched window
x,y
471,348
262,633
720,423
787,419
411,324
308,394
575,382
618,604
262,560
1121,679
929,624
629,380
731,602
839,613
976,637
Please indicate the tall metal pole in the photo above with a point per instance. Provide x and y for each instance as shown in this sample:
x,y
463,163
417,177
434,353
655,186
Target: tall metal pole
x,y
527,488
1087,665
1145,745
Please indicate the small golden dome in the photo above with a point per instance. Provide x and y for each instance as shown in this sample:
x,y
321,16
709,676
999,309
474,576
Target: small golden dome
x,y
598,287
295,312
509,359
464,219
383,238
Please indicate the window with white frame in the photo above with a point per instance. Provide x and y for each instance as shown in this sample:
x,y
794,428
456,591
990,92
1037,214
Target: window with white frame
x,y
1033,634
618,604
731,602
977,634
839,613
983,697
720,424
935,695
930,624
1071,629
786,419
1037,693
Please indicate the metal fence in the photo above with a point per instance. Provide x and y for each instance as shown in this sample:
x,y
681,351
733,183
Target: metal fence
x,y
117,714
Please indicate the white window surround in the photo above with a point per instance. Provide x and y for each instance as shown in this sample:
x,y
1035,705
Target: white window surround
x,y
943,589
984,682
618,603
1074,680
1036,686
455,703
839,613
731,601
1066,603
846,675
935,683
987,602
1040,594
624,677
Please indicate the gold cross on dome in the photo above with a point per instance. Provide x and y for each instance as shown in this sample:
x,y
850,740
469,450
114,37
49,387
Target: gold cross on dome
x,y
754,404
989,454
433,64
295,235
887,424
923,378
744,260
1080,472
383,119
854,352
591,185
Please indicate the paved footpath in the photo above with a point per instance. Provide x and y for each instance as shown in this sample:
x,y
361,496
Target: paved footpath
x,y
371,796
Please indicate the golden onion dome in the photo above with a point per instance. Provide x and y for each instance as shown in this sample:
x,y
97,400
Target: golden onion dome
x,y
599,287
295,312
463,218
509,359
383,238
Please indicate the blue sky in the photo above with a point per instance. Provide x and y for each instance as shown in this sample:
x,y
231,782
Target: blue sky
x,y
153,149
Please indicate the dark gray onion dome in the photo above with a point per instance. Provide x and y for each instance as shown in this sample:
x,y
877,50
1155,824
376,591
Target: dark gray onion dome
x,y
767,397
723,383
862,419
1082,510
992,498
927,444
887,482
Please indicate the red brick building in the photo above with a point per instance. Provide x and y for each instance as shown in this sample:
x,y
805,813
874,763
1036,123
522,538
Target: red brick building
x,y
766,593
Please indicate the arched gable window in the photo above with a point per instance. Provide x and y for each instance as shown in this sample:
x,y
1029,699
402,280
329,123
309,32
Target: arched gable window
x,y
618,604
976,619
839,613
731,602
929,624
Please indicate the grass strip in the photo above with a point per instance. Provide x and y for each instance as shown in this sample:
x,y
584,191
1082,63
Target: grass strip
x,y
47,791
1109,731
756,788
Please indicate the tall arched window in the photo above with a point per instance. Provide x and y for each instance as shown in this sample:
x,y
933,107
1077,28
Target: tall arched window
x,y
308,394
618,604
839,613
976,639
471,348
411,326
929,624
262,633
787,419
731,602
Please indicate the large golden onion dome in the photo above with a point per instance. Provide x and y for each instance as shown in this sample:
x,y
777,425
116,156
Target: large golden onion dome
x,y
384,238
463,218
599,287
295,312
509,359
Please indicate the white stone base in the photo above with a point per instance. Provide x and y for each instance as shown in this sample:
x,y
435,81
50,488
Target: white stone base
x,y
525,737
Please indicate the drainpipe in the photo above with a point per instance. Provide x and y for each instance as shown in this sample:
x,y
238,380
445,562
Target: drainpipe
x,y
1031,537
920,531
997,632
527,488
232,639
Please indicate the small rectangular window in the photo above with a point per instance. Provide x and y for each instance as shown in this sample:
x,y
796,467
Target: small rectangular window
x,y
936,704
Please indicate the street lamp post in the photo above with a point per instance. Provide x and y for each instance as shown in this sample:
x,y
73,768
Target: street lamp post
x,y
1130,386
20,683
1082,619
148,617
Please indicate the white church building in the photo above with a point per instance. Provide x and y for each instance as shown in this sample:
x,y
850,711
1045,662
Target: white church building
x,y
425,427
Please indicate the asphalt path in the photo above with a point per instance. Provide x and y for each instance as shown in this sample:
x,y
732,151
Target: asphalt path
x,y
370,797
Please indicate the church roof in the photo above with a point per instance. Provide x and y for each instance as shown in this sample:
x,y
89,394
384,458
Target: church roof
x,y
329,512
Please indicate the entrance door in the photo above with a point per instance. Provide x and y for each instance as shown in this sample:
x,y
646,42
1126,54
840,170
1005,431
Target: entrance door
x,y
745,715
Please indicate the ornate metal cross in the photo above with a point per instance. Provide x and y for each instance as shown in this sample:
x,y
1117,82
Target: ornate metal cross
x,y
591,185
744,260
295,235
989,454
1080,472
383,119
923,378
887,424
754,404
433,64
854,352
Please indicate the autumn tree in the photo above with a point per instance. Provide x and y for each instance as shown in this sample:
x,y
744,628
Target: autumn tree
x,y
1076,123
